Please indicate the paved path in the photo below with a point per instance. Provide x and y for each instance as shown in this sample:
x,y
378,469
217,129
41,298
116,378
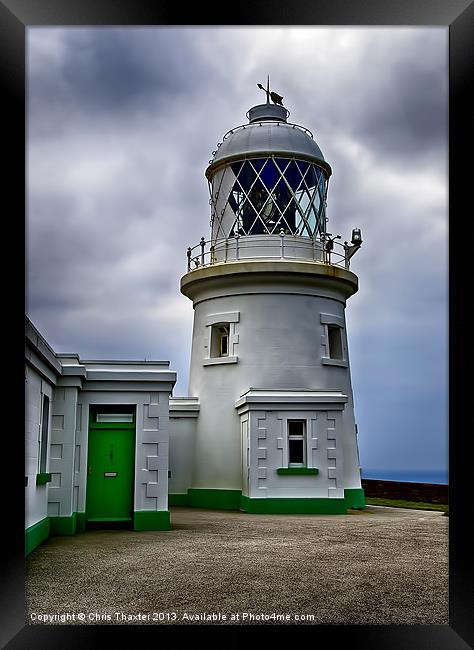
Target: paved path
x,y
377,566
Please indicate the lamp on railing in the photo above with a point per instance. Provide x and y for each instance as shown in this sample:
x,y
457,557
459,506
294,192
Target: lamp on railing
x,y
356,237
356,244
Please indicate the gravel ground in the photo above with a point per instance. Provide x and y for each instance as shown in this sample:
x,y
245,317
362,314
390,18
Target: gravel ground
x,y
376,566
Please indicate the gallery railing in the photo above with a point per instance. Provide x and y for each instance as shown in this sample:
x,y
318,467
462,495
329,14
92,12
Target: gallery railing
x,y
321,250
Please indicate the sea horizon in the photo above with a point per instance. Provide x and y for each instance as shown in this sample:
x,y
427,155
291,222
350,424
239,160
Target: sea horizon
x,y
407,475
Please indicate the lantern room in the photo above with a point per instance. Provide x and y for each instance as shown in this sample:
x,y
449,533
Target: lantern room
x,y
268,177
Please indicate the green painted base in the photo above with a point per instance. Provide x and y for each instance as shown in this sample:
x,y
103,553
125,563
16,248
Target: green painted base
x,y
80,522
76,523
294,506
355,498
234,500
151,520
178,499
36,534
214,499
109,520
63,525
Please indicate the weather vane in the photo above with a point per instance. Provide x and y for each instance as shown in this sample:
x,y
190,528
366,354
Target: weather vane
x,y
275,97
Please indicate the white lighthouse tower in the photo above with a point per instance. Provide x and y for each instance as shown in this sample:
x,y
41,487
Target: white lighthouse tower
x,y
270,363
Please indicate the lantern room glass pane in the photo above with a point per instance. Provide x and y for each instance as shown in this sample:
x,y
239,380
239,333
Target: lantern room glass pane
x,y
270,174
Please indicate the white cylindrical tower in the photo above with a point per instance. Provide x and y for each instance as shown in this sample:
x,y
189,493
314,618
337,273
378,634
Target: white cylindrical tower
x,y
269,362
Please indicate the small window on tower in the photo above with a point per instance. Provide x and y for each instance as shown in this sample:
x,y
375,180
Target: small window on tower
x,y
220,340
335,342
296,443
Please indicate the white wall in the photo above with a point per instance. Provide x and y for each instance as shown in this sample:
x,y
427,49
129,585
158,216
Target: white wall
x,y
36,497
182,444
62,494
279,341
268,443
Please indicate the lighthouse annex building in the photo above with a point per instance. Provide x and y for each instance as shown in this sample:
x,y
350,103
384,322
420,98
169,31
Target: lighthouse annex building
x,y
268,425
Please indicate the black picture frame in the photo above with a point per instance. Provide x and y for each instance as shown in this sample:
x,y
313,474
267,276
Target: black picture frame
x,y
457,16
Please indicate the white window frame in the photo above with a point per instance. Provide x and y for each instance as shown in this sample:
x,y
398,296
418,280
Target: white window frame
x,y
334,322
214,322
330,348
302,437
217,337
43,438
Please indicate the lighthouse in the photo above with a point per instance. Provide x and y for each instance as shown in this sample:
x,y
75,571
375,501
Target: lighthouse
x,y
276,431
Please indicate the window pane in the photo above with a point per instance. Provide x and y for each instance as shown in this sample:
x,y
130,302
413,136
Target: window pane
x,y
224,350
44,435
270,174
295,449
292,173
246,175
335,342
114,417
295,427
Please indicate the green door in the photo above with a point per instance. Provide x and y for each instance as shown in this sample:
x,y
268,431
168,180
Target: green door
x,y
110,471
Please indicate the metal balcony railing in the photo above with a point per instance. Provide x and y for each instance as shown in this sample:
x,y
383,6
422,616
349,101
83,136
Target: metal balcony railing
x,y
321,250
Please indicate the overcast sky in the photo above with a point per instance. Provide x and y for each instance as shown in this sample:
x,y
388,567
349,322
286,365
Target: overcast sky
x,y
121,125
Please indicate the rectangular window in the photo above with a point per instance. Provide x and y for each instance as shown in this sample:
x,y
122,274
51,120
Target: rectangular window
x,y
220,340
296,443
43,455
114,417
335,342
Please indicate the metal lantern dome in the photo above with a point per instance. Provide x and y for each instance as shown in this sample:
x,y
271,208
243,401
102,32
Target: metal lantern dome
x,y
267,177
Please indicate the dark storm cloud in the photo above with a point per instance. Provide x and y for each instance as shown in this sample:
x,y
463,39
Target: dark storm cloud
x,y
405,115
387,90
113,71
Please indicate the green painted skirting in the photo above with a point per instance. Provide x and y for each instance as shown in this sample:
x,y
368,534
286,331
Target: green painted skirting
x,y
234,500
294,506
293,471
63,525
178,499
36,534
76,523
355,498
151,520
98,520
214,499
80,522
